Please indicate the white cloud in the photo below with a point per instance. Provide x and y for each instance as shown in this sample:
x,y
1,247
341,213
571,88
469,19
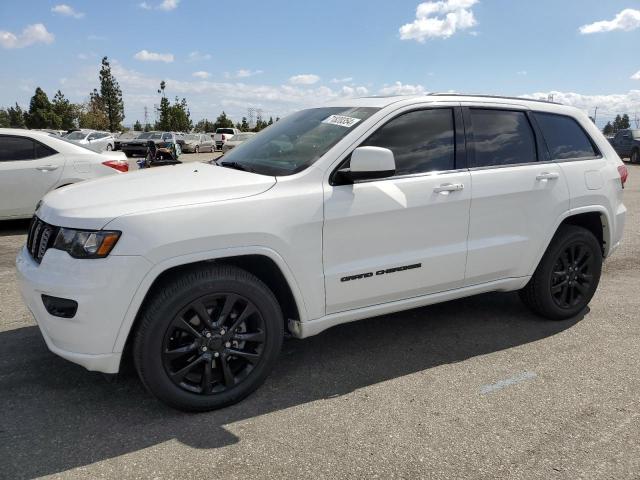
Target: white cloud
x,y
342,80
36,33
636,76
146,56
628,19
608,105
304,79
201,74
522,73
66,11
439,19
244,73
399,88
168,4
145,6
197,56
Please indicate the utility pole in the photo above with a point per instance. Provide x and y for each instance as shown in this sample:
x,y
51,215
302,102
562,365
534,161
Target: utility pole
x,y
636,119
251,112
595,115
146,116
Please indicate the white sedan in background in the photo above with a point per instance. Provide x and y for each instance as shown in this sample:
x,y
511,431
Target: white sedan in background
x,y
237,140
33,163
92,139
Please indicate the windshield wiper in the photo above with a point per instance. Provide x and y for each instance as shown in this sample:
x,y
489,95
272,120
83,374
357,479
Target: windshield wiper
x,y
236,166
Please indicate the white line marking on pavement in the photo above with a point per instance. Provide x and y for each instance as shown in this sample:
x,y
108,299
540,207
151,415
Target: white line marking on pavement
x,y
521,377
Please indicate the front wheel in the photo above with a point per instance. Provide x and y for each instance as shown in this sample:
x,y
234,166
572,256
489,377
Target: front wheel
x,y
208,338
568,275
109,147
635,156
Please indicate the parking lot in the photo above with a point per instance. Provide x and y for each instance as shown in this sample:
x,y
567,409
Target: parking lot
x,y
478,387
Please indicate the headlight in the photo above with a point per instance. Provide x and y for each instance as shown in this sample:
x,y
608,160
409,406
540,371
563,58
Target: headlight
x,y
86,244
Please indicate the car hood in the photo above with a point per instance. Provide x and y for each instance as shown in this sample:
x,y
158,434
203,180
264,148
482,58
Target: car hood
x,y
94,203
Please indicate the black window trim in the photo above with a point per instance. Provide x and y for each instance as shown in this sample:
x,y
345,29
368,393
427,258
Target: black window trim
x,y
4,135
541,147
459,146
594,145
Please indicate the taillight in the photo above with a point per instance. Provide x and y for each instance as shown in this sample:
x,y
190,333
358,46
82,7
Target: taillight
x,y
223,137
624,174
120,165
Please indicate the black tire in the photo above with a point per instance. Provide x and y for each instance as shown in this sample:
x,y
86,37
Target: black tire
x,y
555,295
635,156
197,149
109,147
219,381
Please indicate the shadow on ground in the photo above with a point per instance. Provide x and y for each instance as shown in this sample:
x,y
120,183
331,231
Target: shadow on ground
x,y
57,416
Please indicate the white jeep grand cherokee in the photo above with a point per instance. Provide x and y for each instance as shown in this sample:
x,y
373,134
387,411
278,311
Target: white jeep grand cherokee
x,y
331,215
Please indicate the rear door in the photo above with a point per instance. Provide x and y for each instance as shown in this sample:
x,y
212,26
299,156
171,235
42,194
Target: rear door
x,y
28,170
404,236
517,193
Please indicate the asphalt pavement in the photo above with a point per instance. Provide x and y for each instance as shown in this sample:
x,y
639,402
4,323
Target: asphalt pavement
x,y
475,388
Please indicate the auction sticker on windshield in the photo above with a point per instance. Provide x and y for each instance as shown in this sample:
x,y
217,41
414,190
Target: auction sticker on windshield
x,y
341,121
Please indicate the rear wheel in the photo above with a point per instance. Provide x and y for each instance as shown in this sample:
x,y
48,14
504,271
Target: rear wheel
x,y
635,156
208,338
197,149
567,276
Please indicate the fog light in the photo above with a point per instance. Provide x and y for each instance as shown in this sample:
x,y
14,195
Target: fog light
x,y
60,307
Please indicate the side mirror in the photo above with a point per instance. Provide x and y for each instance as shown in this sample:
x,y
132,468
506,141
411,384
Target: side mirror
x,y
369,163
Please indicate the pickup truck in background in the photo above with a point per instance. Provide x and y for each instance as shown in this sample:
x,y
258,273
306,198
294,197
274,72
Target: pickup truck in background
x,y
626,143
223,135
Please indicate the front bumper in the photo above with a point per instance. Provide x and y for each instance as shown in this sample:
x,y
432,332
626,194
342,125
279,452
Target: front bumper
x,y
103,289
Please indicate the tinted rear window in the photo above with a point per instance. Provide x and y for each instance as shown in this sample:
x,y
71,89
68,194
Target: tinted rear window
x,y
565,138
502,137
226,131
16,148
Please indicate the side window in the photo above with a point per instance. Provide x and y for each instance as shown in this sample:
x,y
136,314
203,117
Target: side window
x,y
166,136
564,136
421,141
502,137
15,148
42,151
93,136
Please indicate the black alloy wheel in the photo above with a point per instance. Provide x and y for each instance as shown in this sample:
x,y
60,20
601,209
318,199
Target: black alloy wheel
x,y
572,276
213,343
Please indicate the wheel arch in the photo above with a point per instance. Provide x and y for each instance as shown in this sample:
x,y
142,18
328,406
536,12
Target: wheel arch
x,y
264,263
594,218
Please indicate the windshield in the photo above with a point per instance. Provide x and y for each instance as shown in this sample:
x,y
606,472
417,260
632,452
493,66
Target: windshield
x,y
128,135
297,141
193,137
227,131
150,135
76,135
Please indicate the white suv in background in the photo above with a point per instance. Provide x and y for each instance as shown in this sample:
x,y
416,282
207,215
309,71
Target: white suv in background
x,y
333,214
33,163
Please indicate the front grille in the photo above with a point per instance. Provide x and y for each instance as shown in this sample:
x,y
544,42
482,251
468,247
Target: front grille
x,y
40,239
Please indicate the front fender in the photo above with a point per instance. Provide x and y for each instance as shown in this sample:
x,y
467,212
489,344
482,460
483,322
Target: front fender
x,y
217,254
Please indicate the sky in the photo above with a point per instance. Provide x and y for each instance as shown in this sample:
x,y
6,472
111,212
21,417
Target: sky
x,y
280,56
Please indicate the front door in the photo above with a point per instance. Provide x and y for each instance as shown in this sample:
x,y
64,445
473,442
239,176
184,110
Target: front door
x,y
28,170
404,236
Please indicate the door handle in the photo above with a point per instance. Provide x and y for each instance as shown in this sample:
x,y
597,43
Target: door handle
x,y
47,168
547,176
446,188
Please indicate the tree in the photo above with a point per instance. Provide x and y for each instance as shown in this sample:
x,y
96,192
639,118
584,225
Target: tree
x,y
624,122
244,126
92,114
608,129
111,97
65,112
204,126
4,118
137,126
164,122
147,127
270,121
223,122
180,116
16,117
40,114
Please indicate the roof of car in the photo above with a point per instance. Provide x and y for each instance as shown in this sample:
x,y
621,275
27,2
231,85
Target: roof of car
x,y
385,101
24,131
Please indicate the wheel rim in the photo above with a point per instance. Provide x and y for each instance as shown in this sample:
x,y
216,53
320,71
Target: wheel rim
x,y
634,156
213,343
197,149
572,276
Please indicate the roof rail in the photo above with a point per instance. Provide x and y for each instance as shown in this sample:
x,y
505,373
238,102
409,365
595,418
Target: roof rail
x,y
490,96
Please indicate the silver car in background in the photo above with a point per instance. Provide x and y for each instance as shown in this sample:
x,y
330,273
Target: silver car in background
x,y
124,137
197,142
236,140
92,139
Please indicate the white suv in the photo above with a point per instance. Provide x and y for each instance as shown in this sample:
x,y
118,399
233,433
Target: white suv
x,y
333,214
